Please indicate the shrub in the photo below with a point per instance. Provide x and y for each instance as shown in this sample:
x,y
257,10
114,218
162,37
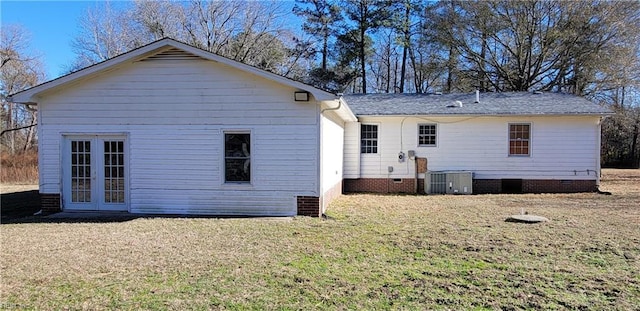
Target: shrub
x,y
20,168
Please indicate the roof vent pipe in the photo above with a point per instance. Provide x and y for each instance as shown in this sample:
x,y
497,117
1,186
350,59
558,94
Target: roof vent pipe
x,y
477,97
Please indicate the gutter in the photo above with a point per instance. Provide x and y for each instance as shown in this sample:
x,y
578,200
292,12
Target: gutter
x,y
332,108
601,114
347,115
11,100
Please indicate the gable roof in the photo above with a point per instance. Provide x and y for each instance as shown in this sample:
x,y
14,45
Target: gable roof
x,y
513,103
30,95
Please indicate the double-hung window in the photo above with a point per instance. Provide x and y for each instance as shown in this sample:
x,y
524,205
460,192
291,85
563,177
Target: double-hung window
x,y
519,139
237,157
368,138
427,135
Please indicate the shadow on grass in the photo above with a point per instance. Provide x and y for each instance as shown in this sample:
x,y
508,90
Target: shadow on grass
x,y
20,207
56,218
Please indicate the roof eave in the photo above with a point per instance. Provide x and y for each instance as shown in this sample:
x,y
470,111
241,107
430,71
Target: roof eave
x,y
31,94
486,115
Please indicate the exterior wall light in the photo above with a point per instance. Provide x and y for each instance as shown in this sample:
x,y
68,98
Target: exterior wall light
x,y
301,96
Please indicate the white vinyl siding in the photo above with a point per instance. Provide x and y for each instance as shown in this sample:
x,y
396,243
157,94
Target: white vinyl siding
x,y
352,150
175,113
566,147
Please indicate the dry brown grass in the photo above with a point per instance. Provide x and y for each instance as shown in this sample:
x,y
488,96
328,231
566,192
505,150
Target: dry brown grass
x,y
21,168
376,252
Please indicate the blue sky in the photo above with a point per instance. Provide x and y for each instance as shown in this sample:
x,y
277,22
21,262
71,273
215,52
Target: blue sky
x,y
52,25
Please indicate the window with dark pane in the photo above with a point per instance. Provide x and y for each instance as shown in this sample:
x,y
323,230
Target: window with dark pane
x,y
114,179
368,138
427,134
519,139
237,157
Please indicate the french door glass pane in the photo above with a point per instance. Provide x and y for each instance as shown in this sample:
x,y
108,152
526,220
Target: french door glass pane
x,y
80,171
114,172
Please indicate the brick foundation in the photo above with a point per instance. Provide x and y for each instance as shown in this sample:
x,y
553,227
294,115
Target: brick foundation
x,y
50,202
480,186
537,186
309,206
558,186
381,185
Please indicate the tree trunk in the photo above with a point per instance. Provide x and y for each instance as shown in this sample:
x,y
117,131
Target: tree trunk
x,y
416,71
388,78
450,67
403,67
10,124
30,133
325,50
634,157
481,71
363,70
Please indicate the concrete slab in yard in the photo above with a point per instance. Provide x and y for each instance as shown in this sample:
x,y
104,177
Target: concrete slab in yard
x,y
528,219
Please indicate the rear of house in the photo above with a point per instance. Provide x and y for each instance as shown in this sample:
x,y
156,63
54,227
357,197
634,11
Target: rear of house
x,y
503,142
171,129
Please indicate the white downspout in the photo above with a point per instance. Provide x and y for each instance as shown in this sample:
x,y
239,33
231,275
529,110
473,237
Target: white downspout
x,y
332,108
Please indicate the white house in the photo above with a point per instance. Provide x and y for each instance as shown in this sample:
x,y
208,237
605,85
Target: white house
x,y
171,129
508,142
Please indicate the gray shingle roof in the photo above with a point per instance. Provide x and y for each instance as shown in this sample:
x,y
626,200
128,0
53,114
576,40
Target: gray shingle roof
x,y
514,103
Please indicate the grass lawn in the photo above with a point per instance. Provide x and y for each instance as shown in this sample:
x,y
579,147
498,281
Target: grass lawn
x,y
375,252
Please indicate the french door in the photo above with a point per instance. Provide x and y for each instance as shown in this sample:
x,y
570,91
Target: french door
x,y
95,173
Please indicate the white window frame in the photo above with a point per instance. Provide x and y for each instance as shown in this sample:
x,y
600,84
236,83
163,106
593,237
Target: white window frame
x,y
509,140
377,139
435,144
224,158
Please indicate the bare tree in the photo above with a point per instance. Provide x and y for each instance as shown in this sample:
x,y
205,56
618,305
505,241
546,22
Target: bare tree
x,y
105,32
406,22
524,45
385,62
18,71
160,19
247,31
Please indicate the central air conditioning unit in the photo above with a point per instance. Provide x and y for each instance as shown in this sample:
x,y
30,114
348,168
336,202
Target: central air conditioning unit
x,y
448,182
